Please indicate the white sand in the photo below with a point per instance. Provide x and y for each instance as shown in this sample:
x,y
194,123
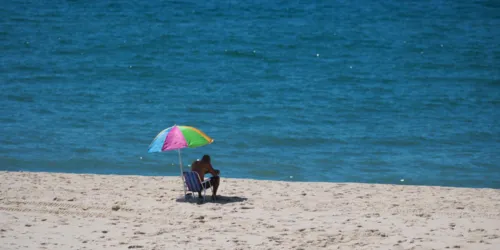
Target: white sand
x,y
69,211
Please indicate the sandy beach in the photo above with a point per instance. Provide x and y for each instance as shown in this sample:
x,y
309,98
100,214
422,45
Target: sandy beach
x,y
83,211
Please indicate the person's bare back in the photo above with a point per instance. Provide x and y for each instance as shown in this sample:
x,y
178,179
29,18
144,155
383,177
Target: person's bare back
x,y
203,168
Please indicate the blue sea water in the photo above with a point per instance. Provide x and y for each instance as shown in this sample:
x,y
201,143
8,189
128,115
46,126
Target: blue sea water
x,y
336,91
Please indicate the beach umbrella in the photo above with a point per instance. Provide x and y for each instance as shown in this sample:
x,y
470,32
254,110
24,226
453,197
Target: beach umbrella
x,y
178,137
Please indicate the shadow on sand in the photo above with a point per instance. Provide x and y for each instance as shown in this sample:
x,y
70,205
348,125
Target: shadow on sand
x,y
221,199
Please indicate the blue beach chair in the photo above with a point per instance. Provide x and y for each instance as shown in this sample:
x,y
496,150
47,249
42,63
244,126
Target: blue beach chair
x,y
193,184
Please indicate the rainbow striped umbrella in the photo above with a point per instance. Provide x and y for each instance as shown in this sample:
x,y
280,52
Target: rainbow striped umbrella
x,y
178,137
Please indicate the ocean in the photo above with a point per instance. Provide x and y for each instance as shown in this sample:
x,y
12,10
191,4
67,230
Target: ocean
x,y
326,91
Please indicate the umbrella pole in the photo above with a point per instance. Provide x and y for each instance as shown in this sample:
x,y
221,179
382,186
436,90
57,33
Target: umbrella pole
x,y
182,172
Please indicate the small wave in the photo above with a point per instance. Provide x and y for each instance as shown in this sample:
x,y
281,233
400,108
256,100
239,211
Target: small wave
x,y
21,98
240,145
469,136
265,173
83,150
243,54
129,140
292,141
26,67
75,122
369,163
303,121
193,109
402,141
8,119
252,118
20,19
43,111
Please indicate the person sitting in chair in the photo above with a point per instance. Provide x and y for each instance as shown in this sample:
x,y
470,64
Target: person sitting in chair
x,y
204,167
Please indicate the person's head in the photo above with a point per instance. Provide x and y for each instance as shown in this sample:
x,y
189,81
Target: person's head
x,y
206,158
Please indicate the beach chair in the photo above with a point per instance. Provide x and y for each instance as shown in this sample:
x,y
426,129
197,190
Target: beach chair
x,y
193,184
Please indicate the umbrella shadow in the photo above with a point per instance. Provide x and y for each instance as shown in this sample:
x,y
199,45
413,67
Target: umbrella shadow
x,y
221,199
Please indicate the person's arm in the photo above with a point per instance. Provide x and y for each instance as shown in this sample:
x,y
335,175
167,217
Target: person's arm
x,y
212,171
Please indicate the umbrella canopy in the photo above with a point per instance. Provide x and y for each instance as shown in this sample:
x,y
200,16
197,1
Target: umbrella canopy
x,y
177,137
